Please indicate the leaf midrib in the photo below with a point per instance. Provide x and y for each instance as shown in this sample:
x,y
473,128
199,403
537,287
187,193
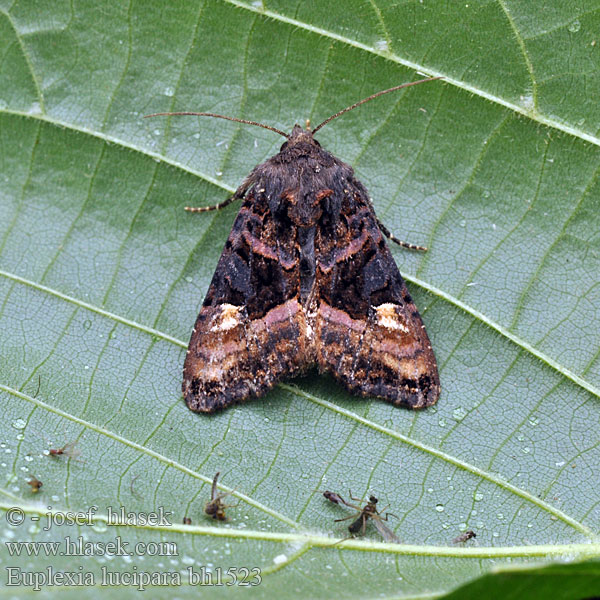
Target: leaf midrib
x,y
581,550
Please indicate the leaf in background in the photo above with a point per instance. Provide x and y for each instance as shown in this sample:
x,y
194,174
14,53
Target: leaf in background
x,y
102,274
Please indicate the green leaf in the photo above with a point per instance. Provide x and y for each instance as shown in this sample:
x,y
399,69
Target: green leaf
x,y
102,274
561,582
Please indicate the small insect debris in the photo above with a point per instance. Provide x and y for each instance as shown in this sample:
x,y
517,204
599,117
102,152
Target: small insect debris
x,y
187,521
35,484
464,537
362,516
70,450
215,507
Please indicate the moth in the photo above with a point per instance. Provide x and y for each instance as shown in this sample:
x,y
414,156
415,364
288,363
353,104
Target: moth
x,y
369,511
306,278
215,507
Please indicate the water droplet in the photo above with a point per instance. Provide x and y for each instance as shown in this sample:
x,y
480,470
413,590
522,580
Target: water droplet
x,y
496,534
533,421
34,528
530,525
382,46
169,91
442,422
478,496
526,450
574,27
19,423
580,122
459,414
29,458
527,101
439,507
500,516
189,279
280,559
35,108
486,193
463,223
561,463
100,527
20,436
430,490
521,437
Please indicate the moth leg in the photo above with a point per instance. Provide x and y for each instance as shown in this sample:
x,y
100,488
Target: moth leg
x,y
218,206
393,238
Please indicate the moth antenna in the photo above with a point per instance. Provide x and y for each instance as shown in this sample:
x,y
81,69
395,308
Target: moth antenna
x,y
205,114
372,97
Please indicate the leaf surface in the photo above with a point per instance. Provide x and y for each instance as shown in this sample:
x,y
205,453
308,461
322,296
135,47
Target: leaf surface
x,y
102,274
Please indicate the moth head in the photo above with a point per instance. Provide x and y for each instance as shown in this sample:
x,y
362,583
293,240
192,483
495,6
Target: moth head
x,y
299,137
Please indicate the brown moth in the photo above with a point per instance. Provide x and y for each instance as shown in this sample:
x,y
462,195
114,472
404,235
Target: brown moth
x,y
306,279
